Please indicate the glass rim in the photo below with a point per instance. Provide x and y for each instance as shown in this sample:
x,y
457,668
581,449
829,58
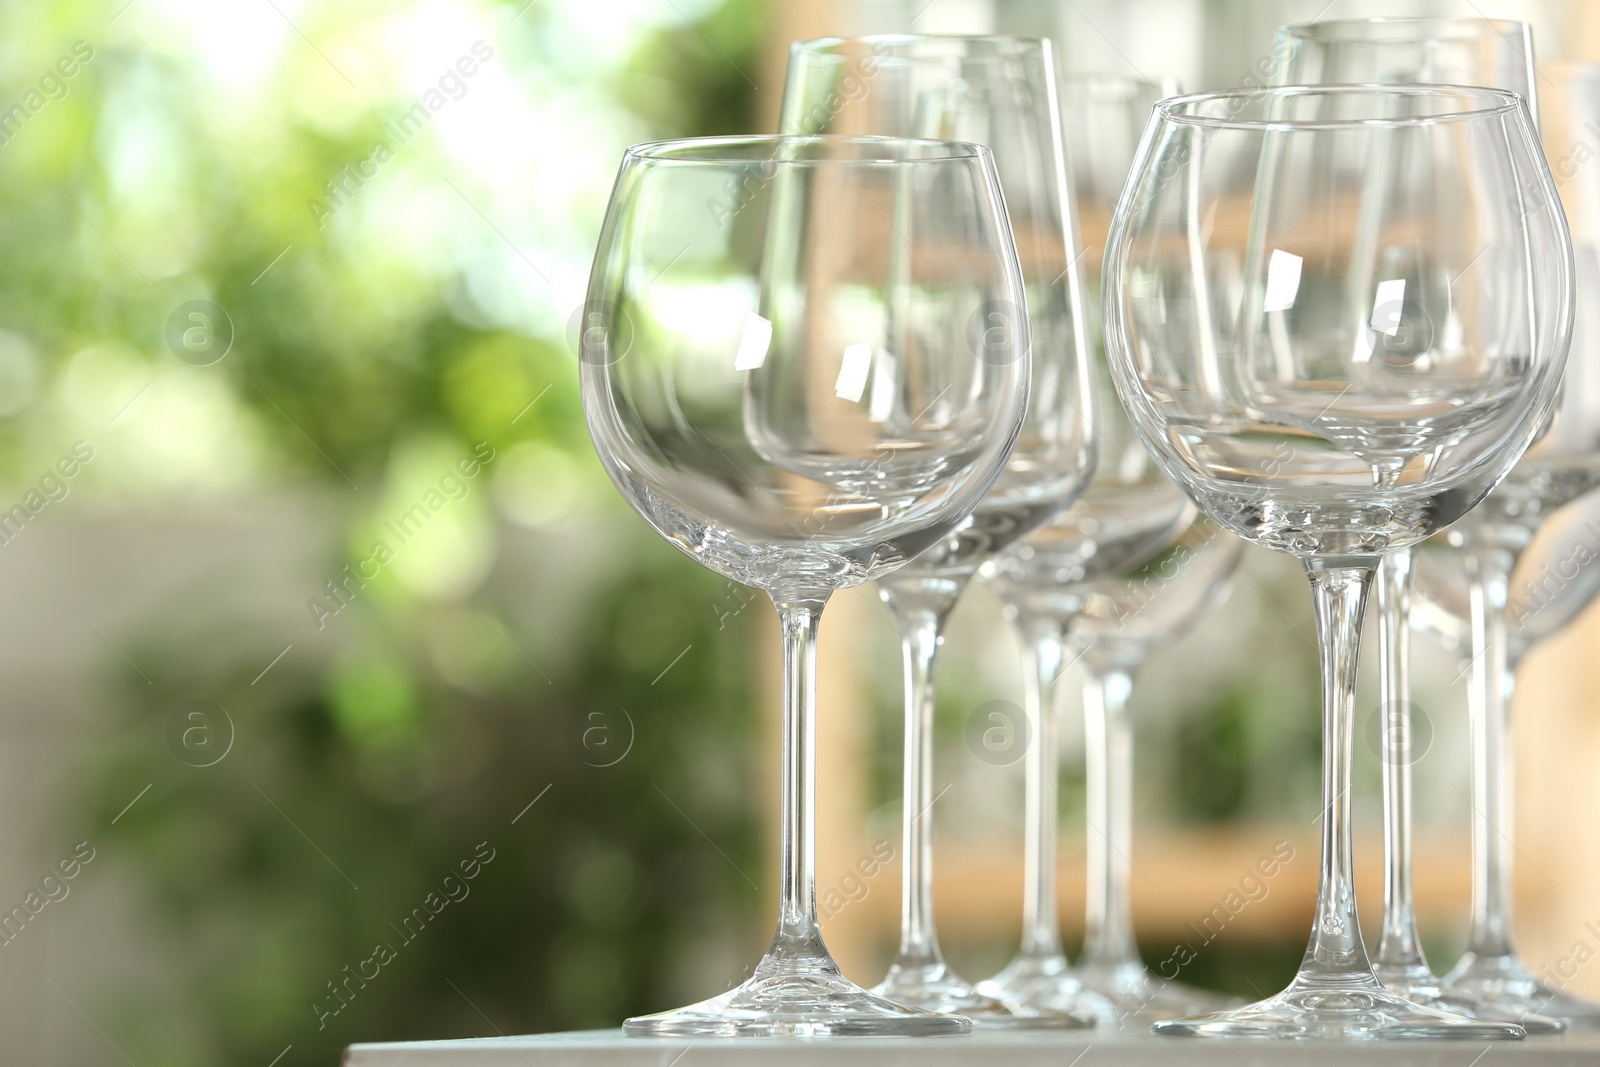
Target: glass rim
x,y
1500,27
999,45
726,150
1504,102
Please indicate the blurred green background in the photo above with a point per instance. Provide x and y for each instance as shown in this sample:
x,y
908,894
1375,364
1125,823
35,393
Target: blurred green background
x,y
279,302
303,279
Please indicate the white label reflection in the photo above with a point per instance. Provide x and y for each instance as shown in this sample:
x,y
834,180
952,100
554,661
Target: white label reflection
x,y
753,343
852,380
1283,280
1388,306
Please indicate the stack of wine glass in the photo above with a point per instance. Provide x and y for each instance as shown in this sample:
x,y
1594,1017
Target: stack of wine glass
x,y
962,319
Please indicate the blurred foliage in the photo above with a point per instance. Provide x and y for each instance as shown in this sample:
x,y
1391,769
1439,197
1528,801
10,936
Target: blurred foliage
x,y
382,325
382,775
701,97
1210,781
1243,968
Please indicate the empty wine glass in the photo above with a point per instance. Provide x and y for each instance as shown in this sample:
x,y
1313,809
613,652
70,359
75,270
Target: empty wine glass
x,y
1042,584
1562,466
1552,585
1338,315
1408,51
999,91
1124,618
1103,115
778,376
1130,512
1466,51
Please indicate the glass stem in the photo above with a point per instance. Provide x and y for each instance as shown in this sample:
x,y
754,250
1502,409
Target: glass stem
x,y
1400,949
919,611
1042,655
1108,744
1336,950
1489,567
798,936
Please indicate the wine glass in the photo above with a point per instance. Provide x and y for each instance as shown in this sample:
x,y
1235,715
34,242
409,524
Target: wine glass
x,y
1338,315
1125,617
1123,620
1103,115
999,91
758,391
1130,512
1553,585
1468,51
1042,585
1408,51
1562,466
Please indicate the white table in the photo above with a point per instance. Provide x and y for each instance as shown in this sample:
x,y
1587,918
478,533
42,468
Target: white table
x,y
608,1048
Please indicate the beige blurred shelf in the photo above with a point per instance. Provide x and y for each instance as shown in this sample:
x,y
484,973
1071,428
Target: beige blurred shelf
x,y
1182,874
608,1048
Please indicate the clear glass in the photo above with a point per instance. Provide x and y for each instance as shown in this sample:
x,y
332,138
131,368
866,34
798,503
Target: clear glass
x,y
1338,315
1039,978
1551,585
1401,963
1408,51
1000,91
1464,51
1124,619
1130,512
1561,467
777,375
1125,616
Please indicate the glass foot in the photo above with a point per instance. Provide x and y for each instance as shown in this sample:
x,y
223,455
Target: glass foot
x,y
1048,986
796,997
1420,986
1353,1007
1140,997
1506,982
934,987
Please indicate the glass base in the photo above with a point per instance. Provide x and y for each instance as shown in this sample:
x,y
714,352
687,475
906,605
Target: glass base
x,y
798,994
1419,985
934,987
1351,1007
1140,997
1048,985
1506,982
